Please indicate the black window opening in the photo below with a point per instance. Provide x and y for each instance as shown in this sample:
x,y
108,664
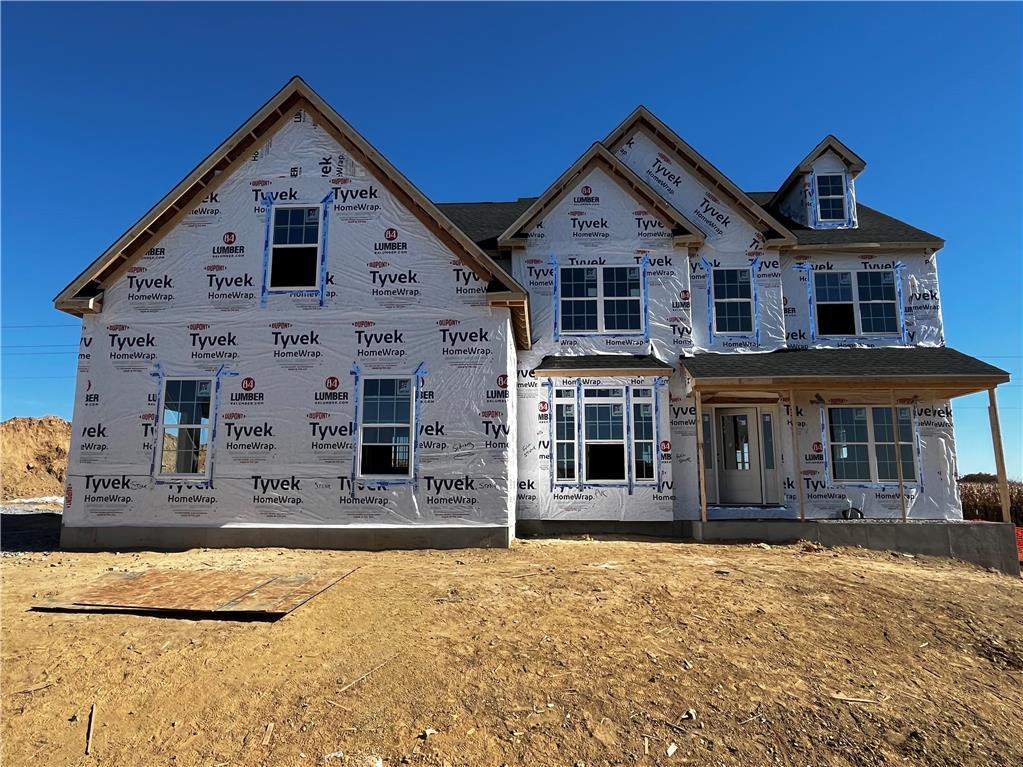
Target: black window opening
x,y
185,428
856,303
831,197
295,248
385,437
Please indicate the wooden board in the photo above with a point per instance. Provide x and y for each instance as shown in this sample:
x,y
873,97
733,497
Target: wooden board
x,y
219,593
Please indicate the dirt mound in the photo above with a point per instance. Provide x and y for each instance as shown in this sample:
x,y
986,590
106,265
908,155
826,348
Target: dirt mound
x,y
33,456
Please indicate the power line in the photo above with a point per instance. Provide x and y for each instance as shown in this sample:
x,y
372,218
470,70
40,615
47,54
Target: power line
x,y
32,325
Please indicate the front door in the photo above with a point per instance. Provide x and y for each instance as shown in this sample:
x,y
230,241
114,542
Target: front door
x,y
738,446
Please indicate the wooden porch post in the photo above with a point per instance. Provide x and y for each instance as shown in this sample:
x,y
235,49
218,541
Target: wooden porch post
x,y
898,451
797,459
700,460
996,442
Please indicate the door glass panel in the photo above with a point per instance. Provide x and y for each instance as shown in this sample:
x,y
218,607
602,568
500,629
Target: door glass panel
x,y
735,438
767,433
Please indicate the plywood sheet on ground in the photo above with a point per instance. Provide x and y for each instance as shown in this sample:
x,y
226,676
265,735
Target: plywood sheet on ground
x,y
223,593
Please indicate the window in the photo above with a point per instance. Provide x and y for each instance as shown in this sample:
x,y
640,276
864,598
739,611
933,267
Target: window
x,y
564,434
863,444
870,309
831,197
733,301
604,299
767,436
185,427
385,438
643,434
708,443
295,253
610,432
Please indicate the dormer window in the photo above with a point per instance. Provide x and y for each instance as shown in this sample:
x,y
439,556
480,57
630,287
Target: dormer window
x,y
831,197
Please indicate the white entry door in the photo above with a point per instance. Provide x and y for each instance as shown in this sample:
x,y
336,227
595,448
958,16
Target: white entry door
x,y
738,444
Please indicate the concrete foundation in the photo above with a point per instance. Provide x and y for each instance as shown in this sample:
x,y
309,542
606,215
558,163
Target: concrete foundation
x,y
988,544
359,539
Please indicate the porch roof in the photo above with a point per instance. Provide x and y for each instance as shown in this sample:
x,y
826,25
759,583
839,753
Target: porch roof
x,y
921,368
572,366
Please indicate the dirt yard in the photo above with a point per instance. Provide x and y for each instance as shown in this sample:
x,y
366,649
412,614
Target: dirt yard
x,y
573,652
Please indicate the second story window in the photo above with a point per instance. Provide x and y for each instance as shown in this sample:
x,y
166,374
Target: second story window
x,y
295,248
831,197
605,299
856,303
733,301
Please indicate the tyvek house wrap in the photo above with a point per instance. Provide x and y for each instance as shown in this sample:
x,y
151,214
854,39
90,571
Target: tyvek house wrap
x,y
598,224
286,367
730,243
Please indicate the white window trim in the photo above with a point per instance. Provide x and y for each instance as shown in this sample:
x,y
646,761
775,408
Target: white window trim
x,y
163,427
600,298
574,440
628,441
413,436
844,197
872,447
714,303
319,247
857,318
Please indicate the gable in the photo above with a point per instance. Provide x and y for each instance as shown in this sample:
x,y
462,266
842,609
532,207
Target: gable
x,y
85,293
612,209
683,174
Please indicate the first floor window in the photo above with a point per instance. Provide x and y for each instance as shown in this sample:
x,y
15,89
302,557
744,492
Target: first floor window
x,y
295,248
614,429
386,439
733,301
185,427
863,444
831,197
605,299
856,303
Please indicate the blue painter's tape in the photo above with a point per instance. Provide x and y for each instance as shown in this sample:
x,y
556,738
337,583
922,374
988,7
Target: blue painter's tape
x,y
710,300
754,269
356,373
628,437
580,458
553,473
644,275
658,383
556,308
825,444
899,269
420,377
267,239
325,224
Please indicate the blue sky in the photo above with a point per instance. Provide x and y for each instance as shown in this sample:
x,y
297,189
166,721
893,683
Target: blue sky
x,y
105,107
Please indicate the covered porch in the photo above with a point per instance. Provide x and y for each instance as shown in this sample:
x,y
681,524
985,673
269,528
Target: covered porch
x,y
837,433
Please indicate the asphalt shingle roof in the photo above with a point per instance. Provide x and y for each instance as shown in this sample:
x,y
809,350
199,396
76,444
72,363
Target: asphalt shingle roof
x,y
841,363
609,362
873,226
484,222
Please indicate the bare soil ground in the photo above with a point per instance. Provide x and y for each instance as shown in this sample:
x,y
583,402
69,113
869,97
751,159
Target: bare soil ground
x,y
571,652
33,456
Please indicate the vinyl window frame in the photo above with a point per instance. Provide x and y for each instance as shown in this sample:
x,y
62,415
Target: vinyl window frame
x,y
601,298
857,303
272,246
844,186
163,427
411,425
748,300
910,469
630,396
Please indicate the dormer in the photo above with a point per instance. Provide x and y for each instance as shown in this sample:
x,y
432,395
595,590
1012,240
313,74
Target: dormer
x,y
820,192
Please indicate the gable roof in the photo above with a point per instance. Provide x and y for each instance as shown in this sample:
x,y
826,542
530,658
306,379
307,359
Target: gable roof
x,y
874,229
855,163
84,293
598,156
485,221
642,119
